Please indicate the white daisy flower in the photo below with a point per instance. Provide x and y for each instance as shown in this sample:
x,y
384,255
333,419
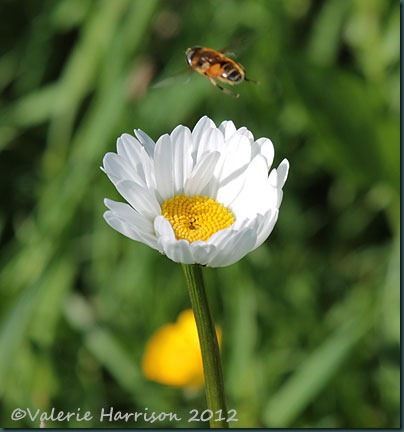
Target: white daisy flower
x,y
205,196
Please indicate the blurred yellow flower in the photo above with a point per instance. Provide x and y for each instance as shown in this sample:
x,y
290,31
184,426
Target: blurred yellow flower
x,y
173,356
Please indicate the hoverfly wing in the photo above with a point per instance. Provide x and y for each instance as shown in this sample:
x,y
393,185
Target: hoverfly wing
x,y
182,76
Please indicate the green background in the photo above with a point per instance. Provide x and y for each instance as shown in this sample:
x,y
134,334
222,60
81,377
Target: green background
x,y
310,320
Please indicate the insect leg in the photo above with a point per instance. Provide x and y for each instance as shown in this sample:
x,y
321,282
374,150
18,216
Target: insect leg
x,y
251,80
224,90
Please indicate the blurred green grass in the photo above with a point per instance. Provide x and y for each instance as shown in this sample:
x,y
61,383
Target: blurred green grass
x,y
310,320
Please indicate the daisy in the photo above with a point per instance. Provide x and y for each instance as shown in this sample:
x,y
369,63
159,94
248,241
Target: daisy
x,y
206,196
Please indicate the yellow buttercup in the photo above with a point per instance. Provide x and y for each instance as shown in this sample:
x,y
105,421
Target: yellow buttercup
x,y
173,355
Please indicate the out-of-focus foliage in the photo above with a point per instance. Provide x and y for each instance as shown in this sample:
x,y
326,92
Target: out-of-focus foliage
x,y
310,320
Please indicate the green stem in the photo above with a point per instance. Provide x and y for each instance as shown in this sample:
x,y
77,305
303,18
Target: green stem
x,y
212,368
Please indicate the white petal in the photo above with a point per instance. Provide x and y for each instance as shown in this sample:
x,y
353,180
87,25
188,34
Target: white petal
x,y
283,170
230,172
245,132
201,174
273,192
229,192
272,196
124,228
238,153
178,251
198,252
181,140
228,128
117,168
146,141
251,199
273,178
164,167
139,198
126,144
266,225
203,124
131,216
233,247
135,154
210,140
264,147
202,251
163,228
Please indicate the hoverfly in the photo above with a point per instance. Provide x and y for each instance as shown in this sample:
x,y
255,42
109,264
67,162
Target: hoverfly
x,y
216,66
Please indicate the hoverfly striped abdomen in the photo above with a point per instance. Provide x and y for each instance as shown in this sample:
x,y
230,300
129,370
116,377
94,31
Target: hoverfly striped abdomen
x,y
215,66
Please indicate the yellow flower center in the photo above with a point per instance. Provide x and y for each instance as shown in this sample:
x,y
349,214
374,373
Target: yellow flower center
x,y
196,218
